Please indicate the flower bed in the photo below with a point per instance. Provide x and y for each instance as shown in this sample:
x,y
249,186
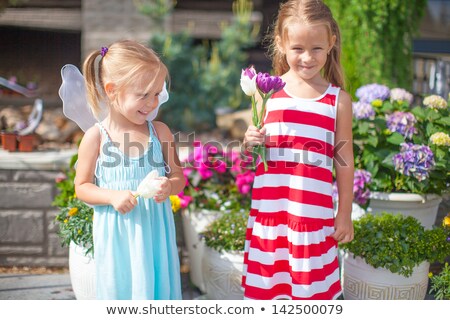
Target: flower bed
x,y
401,147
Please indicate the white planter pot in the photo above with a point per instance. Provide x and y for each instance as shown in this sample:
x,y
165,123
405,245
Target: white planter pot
x,y
194,222
422,207
82,273
361,281
222,274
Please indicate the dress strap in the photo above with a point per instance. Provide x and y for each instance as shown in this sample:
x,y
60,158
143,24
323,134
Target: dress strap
x,y
103,131
156,143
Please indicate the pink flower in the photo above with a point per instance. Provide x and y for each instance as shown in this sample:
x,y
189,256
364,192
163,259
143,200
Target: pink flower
x,y
184,200
244,181
220,166
60,177
204,171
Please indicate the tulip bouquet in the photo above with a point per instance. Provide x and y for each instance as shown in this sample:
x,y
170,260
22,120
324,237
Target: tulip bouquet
x,y
266,85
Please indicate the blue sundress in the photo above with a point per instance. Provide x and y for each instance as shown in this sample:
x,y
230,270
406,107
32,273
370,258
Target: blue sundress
x,y
136,255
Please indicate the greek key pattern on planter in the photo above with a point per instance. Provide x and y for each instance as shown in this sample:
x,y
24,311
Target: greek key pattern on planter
x,y
363,290
222,274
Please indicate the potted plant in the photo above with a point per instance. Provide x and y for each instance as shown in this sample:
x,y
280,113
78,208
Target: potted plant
x,y
223,257
217,182
9,140
74,221
405,148
440,282
389,257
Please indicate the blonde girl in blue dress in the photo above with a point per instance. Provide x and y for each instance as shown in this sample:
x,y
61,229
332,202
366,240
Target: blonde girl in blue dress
x,y
135,249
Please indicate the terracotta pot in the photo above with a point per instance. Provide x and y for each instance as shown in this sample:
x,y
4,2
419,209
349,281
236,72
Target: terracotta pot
x,y
9,141
26,142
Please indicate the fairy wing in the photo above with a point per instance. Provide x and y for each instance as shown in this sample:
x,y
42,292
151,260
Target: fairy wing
x,y
75,105
73,95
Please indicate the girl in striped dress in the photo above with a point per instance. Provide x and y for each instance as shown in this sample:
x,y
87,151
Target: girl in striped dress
x,y
292,232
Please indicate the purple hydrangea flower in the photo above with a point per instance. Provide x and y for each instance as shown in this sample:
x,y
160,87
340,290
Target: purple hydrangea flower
x,y
414,160
334,192
361,180
362,110
269,84
373,91
402,122
361,192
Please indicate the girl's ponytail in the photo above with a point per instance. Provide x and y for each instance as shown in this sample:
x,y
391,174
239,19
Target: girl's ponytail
x,y
333,71
92,85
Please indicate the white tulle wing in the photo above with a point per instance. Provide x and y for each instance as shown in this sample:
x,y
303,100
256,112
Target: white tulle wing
x,y
73,95
75,105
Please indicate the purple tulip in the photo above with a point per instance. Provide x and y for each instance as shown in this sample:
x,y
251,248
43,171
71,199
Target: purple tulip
x,y
269,84
249,72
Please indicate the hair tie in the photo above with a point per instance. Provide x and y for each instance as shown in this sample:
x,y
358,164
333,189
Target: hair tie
x,y
104,51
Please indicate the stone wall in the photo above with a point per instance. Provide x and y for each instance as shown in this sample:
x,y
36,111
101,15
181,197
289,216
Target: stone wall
x,y
106,21
27,231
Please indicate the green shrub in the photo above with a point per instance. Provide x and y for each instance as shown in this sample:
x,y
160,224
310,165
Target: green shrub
x,y
440,284
227,233
206,76
397,242
377,40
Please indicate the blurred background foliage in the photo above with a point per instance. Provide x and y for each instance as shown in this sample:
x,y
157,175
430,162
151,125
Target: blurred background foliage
x,y
377,40
205,76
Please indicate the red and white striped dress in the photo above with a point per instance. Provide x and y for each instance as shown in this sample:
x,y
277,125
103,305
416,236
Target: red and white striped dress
x,y
289,253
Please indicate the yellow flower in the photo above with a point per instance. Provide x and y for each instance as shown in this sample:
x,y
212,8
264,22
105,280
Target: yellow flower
x,y
73,211
66,220
446,222
79,231
430,274
440,139
377,103
176,203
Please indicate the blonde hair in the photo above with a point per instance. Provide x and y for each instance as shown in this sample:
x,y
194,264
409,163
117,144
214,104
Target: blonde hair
x,y
124,63
307,12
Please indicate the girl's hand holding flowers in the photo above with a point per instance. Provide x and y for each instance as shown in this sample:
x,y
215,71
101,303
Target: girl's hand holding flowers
x,y
254,136
154,186
164,190
266,85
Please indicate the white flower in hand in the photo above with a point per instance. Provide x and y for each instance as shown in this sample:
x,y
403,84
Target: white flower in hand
x,y
149,186
248,81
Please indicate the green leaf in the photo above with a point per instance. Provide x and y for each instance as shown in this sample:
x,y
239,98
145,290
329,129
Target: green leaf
x,y
395,138
418,112
372,140
444,121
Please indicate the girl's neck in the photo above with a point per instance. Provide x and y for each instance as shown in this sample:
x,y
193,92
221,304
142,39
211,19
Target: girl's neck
x,y
117,122
305,88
